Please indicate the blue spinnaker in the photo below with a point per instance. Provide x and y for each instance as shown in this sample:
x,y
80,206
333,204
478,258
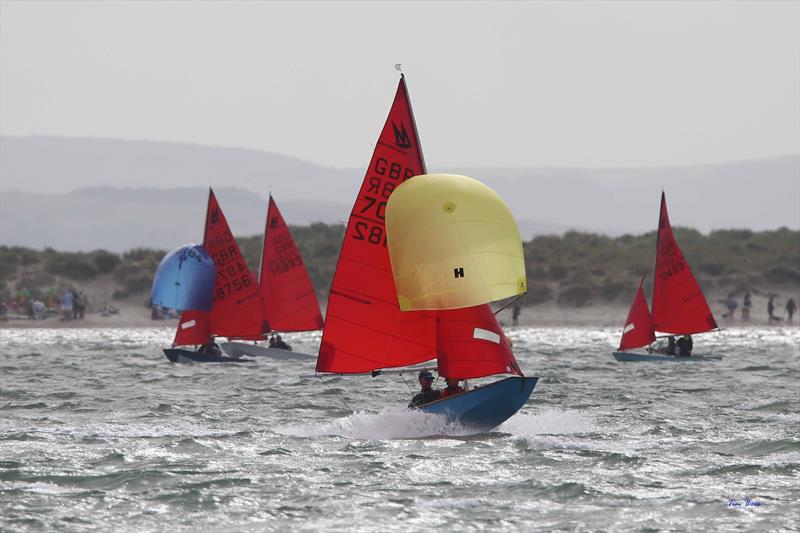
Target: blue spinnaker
x,y
185,279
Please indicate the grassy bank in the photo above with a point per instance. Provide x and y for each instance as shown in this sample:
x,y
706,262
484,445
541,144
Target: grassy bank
x,y
576,270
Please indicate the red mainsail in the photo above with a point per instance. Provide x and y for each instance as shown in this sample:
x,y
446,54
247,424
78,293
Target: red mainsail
x,y
364,327
237,310
471,344
638,330
289,298
678,303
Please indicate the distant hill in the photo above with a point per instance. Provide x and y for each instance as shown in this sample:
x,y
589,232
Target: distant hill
x,y
82,194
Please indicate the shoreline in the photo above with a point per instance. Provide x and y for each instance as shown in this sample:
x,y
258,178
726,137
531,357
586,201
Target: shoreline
x,y
543,315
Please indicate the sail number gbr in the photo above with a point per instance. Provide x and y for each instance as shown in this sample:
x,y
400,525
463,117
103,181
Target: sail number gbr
x,y
376,190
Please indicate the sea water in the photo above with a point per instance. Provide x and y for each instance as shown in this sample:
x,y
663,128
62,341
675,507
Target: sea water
x,y
99,431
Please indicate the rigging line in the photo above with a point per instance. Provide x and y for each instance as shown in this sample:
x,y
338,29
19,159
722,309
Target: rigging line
x,y
517,297
341,398
407,385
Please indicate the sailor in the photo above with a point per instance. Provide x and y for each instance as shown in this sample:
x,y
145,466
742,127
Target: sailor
x,y
671,346
428,393
211,348
669,349
280,345
685,345
452,388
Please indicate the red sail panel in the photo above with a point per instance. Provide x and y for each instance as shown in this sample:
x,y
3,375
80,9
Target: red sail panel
x,y
471,344
193,328
286,289
638,330
678,303
237,310
364,328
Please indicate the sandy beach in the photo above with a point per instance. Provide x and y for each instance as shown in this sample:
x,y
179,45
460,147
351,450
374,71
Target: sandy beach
x,y
136,315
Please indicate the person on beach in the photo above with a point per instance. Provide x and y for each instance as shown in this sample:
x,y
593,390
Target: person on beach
x,y
746,305
791,307
731,304
771,310
67,304
428,394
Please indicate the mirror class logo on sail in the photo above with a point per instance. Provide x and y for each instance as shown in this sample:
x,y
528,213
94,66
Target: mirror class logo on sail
x,y
386,173
400,136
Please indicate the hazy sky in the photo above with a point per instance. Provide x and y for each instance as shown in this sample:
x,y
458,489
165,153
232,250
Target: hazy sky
x,y
492,83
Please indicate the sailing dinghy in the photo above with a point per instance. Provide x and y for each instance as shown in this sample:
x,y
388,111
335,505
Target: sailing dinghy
x,y
290,302
237,308
380,317
679,306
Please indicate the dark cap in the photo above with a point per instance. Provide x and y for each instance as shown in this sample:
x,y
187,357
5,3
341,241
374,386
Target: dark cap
x,y
425,374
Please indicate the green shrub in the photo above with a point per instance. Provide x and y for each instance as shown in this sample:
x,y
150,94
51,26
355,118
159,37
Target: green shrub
x,y
537,293
783,275
575,296
72,266
557,272
138,284
105,262
611,291
120,295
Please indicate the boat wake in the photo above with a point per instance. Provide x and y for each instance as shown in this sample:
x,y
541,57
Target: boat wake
x,y
388,424
401,423
549,422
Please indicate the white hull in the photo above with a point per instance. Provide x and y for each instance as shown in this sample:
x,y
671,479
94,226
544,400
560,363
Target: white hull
x,y
240,349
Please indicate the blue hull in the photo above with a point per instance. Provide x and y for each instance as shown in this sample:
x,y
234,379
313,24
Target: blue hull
x,y
624,356
178,355
485,408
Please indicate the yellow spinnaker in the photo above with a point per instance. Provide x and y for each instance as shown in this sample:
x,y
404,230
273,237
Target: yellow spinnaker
x,y
453,243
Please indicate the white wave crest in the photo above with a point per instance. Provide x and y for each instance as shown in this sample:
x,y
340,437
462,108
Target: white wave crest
x,y
549,422
390,423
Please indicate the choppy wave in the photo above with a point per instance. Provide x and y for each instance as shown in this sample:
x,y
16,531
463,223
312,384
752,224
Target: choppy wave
x,y
97,428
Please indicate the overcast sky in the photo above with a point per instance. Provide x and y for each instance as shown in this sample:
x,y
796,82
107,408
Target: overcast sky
x,y
514,84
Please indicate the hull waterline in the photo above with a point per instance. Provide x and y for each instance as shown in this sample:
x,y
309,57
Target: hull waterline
x,y
642,357
179,355
485,408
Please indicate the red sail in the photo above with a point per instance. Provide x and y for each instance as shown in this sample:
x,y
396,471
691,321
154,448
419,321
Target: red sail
x,y
471,344
237,310
364,328
289,297
678,303
193,328
638,330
